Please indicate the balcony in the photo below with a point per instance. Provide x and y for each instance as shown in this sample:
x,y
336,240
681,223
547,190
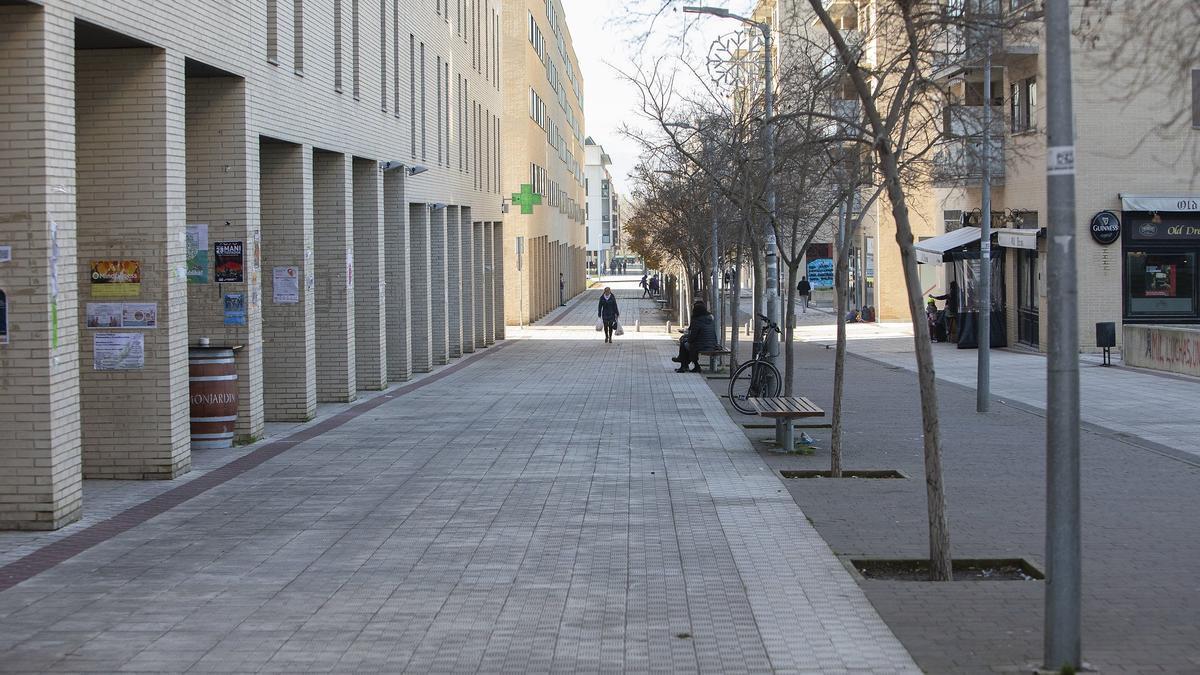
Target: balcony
x,y
958,162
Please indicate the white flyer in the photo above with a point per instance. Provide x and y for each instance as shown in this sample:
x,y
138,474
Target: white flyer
x,y
105,315
286,285
119,351
5,254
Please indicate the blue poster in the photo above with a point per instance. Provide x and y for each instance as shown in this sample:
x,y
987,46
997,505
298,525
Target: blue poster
x,y
235,309
820,273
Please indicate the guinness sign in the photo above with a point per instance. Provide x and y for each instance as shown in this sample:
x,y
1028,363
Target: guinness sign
x,y
1106,227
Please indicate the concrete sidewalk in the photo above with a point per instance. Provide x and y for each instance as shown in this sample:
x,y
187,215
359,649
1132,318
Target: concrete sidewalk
x,y
555,504
1159,409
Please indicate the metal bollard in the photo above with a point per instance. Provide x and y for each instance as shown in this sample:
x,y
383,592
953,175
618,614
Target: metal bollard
x,y
668,328
748,329
637,326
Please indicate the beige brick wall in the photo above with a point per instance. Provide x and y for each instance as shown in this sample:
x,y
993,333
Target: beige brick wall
x,y
40,486
370,309
438,297
289,330
131,202
454,314
395,232
419,291
466,263
333,236
222,180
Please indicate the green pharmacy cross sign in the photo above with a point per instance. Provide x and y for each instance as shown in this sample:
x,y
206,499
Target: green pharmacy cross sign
x,y
527,199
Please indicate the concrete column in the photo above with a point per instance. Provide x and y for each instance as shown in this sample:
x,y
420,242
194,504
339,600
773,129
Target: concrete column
x,y
289,316
454,331
333,235
132,200
467,288
395,232
370,308
438,300
222,179
40,479
489,283
498,289
479,287
419,288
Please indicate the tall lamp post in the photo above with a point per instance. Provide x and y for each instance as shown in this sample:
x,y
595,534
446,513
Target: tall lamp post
x,y
772,343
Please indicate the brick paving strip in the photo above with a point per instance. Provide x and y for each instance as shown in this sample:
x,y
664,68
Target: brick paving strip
x,y
573,506
72,545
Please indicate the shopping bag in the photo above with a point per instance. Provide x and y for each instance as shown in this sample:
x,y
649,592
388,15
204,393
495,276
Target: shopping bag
x,y
617,330
599,325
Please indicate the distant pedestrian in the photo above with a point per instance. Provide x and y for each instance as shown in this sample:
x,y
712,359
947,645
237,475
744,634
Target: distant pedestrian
x,y
654,286
644,285
950,315
608,312
562,290
805,290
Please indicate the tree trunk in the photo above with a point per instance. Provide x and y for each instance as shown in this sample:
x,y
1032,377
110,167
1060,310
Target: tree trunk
x,y
940,566
841,284
760,288
735,307
789,325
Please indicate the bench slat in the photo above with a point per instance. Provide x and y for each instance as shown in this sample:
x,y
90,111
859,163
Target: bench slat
x,y
786,406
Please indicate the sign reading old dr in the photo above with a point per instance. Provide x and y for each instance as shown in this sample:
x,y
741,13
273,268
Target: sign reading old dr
x,y
1106,227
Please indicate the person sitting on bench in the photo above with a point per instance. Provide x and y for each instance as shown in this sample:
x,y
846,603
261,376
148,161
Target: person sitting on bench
x,y
701,336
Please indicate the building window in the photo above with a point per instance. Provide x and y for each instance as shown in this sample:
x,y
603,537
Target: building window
x,y
412,90
354,62
298,36
446,102
383,61
337,46
395,58
1023,104
1196,99
440,159
424,136
1160,284
273,32
951,220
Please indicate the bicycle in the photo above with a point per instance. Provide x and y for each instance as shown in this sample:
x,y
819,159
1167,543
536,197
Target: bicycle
x,y
758,377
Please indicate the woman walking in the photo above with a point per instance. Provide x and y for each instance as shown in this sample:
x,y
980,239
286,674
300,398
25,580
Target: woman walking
x,y
608,312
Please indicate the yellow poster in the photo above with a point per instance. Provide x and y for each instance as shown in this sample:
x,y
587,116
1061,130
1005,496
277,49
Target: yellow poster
x,y
116,279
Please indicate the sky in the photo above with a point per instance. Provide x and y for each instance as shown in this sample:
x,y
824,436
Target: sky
x,y
601,44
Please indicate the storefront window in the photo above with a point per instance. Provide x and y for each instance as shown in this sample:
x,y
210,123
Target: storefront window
x,y
1161,284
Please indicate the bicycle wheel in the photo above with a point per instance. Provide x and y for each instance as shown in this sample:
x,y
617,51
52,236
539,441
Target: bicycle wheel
x,y
753,379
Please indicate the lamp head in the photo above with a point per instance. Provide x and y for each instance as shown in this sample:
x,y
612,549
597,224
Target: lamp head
x,y
715,11
416,169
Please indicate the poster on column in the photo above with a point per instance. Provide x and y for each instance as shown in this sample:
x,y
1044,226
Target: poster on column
x,y
139,315
820,273
116,278
285,285
235,309
105,314
119,351
196,238
230,263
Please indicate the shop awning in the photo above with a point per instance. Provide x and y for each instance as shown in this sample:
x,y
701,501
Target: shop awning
x,y
937,249
1017,238
1165,203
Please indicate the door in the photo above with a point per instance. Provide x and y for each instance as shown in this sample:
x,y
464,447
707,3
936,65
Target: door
x,y
1027,298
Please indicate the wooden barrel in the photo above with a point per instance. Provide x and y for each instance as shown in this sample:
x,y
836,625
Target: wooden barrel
x,y
214,397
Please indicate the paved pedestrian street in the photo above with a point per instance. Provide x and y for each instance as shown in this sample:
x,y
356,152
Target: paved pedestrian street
x,y
552,504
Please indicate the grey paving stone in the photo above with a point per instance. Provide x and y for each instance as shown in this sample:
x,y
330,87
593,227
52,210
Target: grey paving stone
x,y
563,505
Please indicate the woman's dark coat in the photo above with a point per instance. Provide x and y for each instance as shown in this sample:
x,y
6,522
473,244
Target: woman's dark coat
x,y
702,333
608,309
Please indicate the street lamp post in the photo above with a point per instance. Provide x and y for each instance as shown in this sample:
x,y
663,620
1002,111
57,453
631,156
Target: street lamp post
x,y
772,344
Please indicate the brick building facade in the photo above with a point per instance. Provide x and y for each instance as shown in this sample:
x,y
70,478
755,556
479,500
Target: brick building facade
x,y
349,147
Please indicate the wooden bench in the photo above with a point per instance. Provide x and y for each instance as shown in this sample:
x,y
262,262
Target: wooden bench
x,y
786,409
713,355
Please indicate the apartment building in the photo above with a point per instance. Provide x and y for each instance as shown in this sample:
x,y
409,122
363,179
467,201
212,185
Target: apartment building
x,y
543,160
603,208
315,184
1137,206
